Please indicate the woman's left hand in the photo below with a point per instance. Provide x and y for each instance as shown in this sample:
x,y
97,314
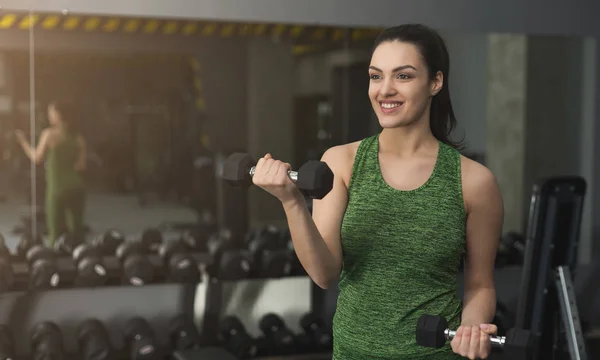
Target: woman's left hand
x,y
473,341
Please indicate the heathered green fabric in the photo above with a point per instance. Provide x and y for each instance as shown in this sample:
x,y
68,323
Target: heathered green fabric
x,y
401,253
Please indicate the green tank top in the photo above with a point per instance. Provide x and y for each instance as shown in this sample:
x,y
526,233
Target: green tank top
x,y
60,165
401,255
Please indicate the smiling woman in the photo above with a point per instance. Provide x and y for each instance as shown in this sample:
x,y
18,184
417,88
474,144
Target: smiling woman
x,y
404,210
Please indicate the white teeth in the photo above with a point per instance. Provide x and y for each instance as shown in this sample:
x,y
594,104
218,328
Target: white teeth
x,y
390,106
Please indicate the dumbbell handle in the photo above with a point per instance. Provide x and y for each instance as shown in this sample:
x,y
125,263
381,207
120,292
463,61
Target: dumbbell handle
x,y
292,174
495,340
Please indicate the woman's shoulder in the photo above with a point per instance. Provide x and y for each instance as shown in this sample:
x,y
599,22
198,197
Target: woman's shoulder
x,y
340,159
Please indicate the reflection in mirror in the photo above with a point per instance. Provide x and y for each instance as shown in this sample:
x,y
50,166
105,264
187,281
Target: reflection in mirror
x,y
19,187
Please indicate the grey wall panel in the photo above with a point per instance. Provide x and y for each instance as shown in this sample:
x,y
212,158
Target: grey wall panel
x,y
531,16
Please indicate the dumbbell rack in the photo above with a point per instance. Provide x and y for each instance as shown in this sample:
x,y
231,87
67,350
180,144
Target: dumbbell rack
x,y
547,305
22,308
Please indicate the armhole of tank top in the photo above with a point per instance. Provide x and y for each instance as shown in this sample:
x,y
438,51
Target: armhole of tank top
x,y
356,161
459,182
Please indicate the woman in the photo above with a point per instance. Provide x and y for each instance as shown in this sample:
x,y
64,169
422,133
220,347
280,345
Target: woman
x,y
405,208
64,149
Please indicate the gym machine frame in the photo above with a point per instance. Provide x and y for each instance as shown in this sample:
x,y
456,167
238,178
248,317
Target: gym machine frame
x,y
547,304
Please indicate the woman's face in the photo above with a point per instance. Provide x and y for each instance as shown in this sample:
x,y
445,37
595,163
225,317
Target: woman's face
x,y
399,88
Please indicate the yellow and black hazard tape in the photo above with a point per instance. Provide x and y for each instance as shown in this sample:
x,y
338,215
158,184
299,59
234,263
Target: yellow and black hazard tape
x,y
147,26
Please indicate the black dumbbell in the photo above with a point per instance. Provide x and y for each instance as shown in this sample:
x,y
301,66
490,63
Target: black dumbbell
x,y
236,339
320,338
47,341
90,266
7,276
314,179
137,268
7,343
151,239
43,271
280,340
141,340
108,242
270,256
432,331
67,242
229,261
180,265
183,333
94,341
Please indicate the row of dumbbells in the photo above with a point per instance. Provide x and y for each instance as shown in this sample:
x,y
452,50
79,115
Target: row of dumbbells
x,y
276,338
140,340
265,252
108,259
94,341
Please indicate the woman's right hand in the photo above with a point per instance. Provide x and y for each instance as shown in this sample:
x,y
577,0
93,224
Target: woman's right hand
x,y
272,176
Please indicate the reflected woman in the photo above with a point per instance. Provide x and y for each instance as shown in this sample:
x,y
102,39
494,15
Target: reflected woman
x,y
63,148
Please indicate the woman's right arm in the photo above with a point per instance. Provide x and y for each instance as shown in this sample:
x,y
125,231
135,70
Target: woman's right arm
x,y
316,240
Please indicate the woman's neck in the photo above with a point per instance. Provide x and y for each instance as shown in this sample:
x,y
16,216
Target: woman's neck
x,y
406,141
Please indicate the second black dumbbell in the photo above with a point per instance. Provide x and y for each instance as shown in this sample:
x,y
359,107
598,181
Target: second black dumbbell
x,y
179,264
47,341
137,268
43,270
94,341
280,340
314,179
229,261
141,340
270,255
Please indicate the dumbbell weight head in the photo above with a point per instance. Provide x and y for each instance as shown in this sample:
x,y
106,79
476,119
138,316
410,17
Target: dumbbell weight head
x,y
229,262
7,343
315,179
90,267
137,269
94,341
67,242
108,242
430,331
236,338
236,169
183,333
182,266
275,330
184,269
314,327
47,341
141,340
43,273
151,239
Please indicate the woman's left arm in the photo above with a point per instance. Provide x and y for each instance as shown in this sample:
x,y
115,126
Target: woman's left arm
x,y
485,217
35,154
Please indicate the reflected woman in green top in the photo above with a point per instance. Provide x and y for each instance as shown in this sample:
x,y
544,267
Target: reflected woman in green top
x,y
63,148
